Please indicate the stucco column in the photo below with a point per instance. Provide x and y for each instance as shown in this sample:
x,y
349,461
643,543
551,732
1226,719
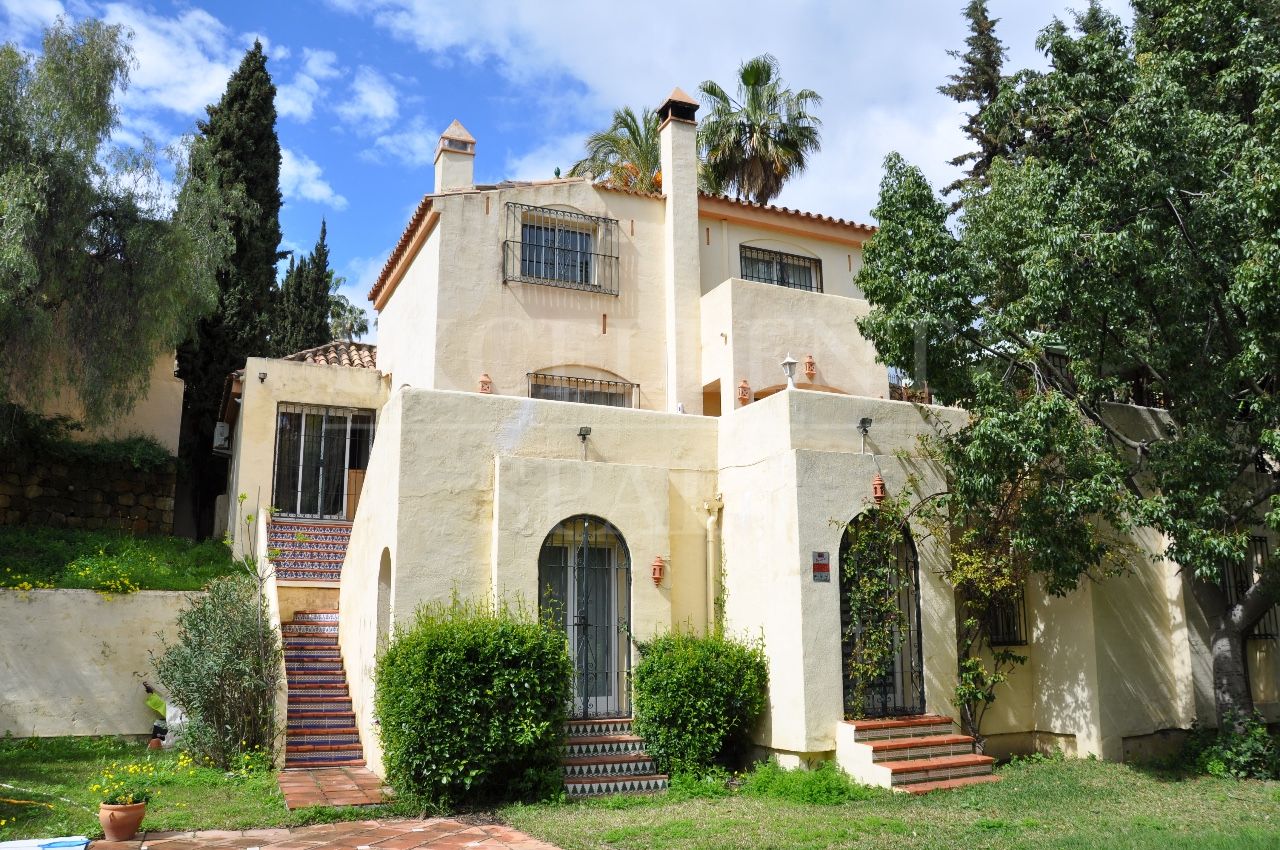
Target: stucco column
x,y
681,265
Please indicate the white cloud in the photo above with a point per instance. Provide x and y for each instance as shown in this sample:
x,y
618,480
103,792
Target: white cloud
x,y
25,18
541,162
877,65
414,145
297,98
320,64
373,104
302,178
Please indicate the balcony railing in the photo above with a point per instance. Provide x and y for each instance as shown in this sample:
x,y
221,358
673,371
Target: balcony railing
x,y
583,390
790,270
559,248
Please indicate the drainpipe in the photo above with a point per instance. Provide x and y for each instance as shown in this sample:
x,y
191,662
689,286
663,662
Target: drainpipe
x,y
712,507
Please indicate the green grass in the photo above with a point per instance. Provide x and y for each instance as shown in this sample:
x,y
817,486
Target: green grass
x,y
109,561
51,796
1072,804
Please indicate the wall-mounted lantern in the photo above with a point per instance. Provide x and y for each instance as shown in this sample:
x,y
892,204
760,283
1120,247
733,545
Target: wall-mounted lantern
x,y
486,383
877,489
262,377
789,369
810,367
657,568
744,392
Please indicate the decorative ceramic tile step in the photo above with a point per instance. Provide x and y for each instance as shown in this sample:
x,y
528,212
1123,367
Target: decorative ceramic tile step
x,y
901,727
613,766
941,768
596,787
309,575
598,727
310,704
931,746
313,664
300,721
323,759
949,784
318,615
588,746
291,629
308,550
322,737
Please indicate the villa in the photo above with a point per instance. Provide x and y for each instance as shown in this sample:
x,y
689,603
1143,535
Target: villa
x,y
640,412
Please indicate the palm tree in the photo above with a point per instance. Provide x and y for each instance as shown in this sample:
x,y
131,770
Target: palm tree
x,y
346,320
627,155
753,143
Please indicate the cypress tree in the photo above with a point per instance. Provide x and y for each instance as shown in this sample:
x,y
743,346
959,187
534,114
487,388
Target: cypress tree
x,y
244,160
305,300
978,82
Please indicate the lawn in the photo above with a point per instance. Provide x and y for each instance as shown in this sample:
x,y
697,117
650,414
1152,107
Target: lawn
x,y
44,791
109,561
1052,804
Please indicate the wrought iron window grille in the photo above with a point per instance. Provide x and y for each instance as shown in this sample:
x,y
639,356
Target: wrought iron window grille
x,y
1240,577
583,390
1007,621
322,454
559,248
790,270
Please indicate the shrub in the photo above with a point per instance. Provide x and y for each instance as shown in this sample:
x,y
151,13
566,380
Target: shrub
x,y
825,785
472,705
26,433
696,698
1250,753
224,672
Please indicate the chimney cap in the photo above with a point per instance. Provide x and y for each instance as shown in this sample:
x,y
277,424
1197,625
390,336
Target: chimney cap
x,y
457,132
678,107
677,95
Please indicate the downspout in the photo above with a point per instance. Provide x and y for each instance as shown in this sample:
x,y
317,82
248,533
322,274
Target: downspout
x,y
712,507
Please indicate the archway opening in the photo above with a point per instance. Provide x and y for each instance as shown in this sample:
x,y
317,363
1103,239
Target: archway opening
x,y
584,586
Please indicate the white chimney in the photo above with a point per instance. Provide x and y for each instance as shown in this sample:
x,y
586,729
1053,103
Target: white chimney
x,y
682,286
455,159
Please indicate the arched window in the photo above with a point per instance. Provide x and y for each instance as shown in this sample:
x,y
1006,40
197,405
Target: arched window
x,y
584,586
900,689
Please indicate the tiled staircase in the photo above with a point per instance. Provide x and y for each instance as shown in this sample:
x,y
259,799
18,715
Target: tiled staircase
x,y
321,728
604,757
915,754
307,550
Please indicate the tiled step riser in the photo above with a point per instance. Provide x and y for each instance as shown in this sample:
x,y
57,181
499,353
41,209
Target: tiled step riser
x,y
939,774
315,617
635,785
300,725
312,665
621,748
322,759
889,734
610,770
308,575
327,706
923,752
594,728
314,738
308,630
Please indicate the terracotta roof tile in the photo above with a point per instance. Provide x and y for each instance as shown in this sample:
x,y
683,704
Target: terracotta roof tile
x,y
359,355
678,95
866,228
424,207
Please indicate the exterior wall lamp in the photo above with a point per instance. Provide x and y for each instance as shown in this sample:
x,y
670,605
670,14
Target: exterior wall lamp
x,y
262,377
810,367
486,383
877,489
864,425
789,369
744,392
657,568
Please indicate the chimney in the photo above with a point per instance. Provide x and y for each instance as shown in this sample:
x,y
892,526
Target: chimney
x,y
455,159
682,285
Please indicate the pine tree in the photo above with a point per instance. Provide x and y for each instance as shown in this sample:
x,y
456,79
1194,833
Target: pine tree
x,y
305,301
978,82
244,160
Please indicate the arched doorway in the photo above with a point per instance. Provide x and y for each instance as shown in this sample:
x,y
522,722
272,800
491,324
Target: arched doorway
x,y
584,585
899,690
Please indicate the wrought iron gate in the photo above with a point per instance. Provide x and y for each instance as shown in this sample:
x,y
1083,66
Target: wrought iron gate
x,y
900,690
584,585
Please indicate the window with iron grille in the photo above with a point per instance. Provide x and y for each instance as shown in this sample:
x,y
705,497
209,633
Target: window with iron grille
x,y
560,248
790,270
1240,577
1007,621
583,390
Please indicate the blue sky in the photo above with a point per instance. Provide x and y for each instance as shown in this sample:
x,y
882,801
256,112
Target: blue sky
x,y
366,87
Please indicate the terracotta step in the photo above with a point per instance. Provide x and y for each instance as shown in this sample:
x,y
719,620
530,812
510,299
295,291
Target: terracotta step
x,y
305,761
949,784
940,768
902,727
898,722
929,746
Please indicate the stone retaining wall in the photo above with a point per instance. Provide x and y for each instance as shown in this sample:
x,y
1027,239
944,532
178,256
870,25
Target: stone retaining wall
x,y
68,495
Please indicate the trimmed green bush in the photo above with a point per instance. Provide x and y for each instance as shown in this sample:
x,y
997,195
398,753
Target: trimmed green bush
x,y
1252,753
825,785
696,698
472,705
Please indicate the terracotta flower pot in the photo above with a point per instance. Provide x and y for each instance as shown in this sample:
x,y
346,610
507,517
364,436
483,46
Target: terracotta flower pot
x,y
120,823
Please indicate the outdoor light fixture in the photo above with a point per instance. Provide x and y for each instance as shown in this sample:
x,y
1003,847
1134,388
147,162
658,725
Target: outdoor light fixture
x,y
789,369
658,567
877,489
744,392
583,433
864,425
810,367
486,383
262,377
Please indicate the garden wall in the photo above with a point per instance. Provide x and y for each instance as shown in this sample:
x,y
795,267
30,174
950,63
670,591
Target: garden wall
x,y
72,662
74,495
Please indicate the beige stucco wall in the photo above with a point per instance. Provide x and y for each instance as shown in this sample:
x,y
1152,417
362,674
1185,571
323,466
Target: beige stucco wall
x,y
720,240
157,414
253,464
72,662
749,327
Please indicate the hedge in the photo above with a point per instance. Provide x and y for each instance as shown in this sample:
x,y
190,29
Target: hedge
x,y
472,705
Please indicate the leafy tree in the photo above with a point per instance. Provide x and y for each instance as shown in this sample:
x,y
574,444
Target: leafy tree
x,y
978,82
306,301
244,160
346,320
86,229
627,155
1130,246
752,144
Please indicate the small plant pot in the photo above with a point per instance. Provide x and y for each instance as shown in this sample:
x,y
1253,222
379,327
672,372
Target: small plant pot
x,y
120,823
